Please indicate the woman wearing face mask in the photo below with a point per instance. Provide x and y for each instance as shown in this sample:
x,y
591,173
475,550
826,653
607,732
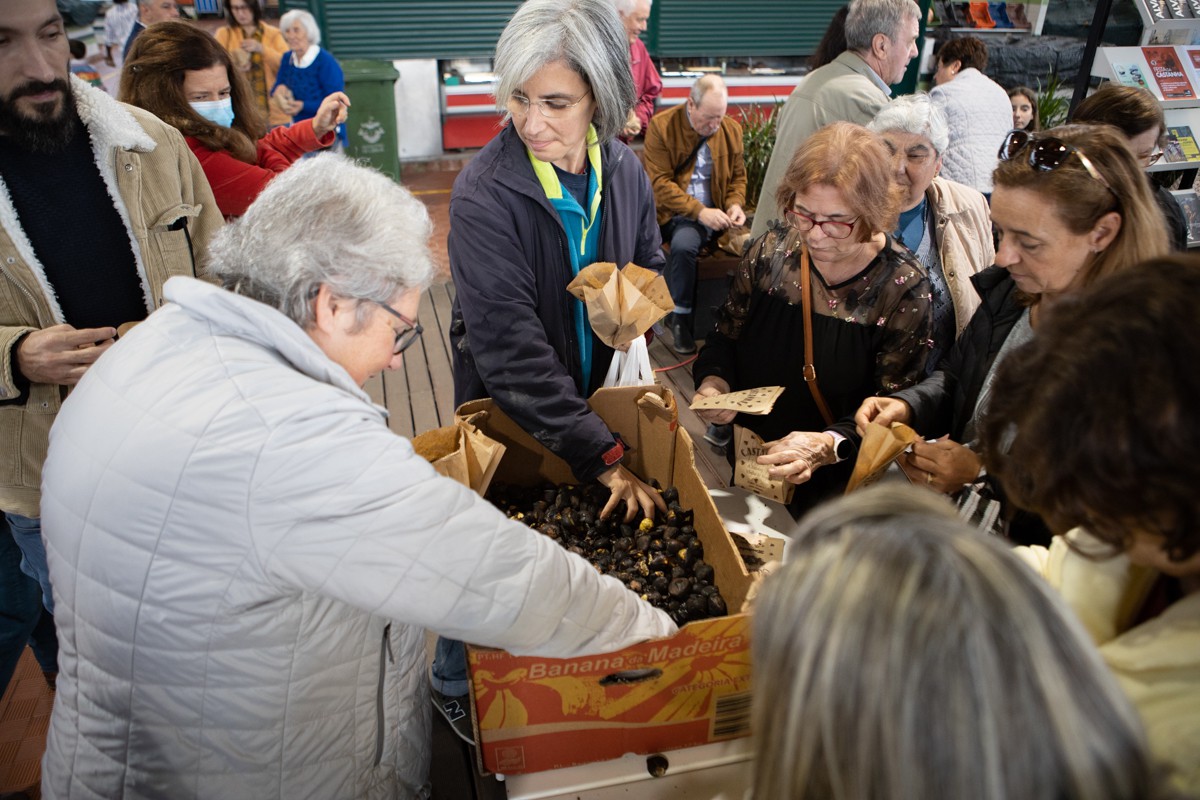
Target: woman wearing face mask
x,y
185,77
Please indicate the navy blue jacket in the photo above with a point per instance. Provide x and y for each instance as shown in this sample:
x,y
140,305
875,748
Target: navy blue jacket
x,y
511,333
944,402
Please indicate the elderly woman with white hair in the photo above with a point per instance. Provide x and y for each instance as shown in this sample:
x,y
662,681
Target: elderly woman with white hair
x,y
945,224
246,558
309,72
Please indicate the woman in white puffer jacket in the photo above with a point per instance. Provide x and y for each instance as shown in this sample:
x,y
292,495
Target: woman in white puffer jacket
x,y
977,110
245,558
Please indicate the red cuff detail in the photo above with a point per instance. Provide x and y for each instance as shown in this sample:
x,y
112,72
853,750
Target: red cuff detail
x,y
615,454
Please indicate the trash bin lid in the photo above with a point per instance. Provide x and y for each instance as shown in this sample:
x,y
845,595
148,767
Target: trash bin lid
x,y
360,70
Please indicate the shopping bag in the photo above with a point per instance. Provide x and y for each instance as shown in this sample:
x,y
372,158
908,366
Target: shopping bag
x,y
631,368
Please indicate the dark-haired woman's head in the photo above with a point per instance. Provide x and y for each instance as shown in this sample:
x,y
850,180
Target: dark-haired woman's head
x,y
182,75
1093,424
1024,108
958,54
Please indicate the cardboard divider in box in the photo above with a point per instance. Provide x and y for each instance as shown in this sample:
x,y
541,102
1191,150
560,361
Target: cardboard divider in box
x,y
534,714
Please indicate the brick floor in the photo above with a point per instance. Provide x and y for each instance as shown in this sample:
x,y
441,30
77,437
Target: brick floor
x,y
24,718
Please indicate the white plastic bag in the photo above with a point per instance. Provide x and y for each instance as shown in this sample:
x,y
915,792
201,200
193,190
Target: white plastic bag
x,y
631,368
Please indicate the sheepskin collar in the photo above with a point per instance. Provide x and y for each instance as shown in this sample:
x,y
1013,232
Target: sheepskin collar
x,y
110,123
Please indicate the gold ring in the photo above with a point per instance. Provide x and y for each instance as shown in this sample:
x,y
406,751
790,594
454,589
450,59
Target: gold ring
x,y
929,477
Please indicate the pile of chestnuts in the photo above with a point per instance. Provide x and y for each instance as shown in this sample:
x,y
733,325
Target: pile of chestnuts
x,y
660,559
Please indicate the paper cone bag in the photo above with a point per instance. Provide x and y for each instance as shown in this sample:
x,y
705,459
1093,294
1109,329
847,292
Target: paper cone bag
x,y
622,304
880,447
752,476
462,453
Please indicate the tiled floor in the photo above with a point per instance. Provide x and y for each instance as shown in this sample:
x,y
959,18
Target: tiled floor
x,y
24,719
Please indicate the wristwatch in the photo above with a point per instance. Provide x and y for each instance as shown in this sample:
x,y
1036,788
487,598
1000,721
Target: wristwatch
x,y
842,449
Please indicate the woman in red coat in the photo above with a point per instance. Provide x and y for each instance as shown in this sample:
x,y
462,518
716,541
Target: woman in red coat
x,y
185,77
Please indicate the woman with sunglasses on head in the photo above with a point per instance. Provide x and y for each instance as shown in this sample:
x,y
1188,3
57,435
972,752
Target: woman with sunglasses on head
x,y
181,74
1070,206
1138,114
831,276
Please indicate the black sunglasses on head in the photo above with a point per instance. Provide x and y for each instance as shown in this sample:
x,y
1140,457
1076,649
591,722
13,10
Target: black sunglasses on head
x,y
1047,153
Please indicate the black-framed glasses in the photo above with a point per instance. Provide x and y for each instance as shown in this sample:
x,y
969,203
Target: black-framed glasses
x,y
1046,153
406,337
830,227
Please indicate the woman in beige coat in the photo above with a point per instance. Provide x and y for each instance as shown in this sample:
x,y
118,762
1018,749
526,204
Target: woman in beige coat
x,y
945,224
257,50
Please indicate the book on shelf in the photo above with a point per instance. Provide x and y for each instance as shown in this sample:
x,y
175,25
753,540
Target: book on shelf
x,y
1160,10
1130,75
1190,204
1180,145
1179,9
1168,73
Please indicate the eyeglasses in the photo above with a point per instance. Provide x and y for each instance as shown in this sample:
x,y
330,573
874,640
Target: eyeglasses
x,y
1047,153
554,108
406,337
831,228
1152,158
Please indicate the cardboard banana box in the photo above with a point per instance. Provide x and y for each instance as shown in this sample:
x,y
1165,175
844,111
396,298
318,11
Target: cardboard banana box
x,y
533,714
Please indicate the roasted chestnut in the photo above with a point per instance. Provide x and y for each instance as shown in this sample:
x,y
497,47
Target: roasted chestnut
x,y
660,559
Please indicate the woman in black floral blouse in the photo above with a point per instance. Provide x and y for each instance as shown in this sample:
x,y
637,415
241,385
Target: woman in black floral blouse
x,y
871,318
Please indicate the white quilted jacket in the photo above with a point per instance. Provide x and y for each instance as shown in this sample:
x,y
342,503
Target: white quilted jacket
x,y
980,115
244,560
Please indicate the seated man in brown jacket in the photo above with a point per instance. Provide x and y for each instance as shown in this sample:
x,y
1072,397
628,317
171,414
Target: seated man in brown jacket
x,y
694,156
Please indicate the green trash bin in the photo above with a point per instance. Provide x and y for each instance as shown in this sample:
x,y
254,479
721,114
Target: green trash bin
x,y
371,123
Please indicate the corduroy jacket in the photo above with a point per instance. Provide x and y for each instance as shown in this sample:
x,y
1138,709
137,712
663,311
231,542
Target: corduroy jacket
x,y
155,183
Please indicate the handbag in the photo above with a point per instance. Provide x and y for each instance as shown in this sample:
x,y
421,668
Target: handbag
x,y
980,508
810,371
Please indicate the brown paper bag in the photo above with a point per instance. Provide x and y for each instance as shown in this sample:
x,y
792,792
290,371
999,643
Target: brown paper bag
x,y
622,304
752,476
880,447
462,453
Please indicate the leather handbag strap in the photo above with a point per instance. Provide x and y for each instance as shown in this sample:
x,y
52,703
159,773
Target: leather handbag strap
x,y
810,371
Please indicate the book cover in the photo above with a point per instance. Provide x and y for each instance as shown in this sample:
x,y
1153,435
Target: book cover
x,y
1157,10
1173,83
1179,9
1130,75
1180,145
1194,5
1190,204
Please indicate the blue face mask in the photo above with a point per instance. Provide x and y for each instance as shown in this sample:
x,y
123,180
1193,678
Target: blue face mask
x,y
218,112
